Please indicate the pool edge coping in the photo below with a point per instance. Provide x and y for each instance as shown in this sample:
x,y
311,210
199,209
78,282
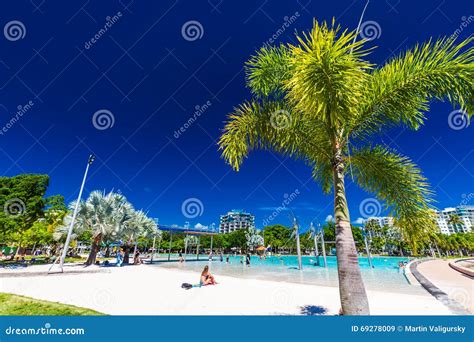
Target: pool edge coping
x,y
452,305
409,275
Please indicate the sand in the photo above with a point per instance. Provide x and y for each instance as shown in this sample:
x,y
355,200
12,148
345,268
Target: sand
x,y
152,290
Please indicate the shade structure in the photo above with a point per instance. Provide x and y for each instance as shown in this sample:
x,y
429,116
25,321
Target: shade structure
x,y
175,229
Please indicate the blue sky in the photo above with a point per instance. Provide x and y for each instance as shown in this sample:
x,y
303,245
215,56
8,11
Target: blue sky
x,y
150,76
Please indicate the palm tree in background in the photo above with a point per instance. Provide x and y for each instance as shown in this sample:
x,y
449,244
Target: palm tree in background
x,y
109,217
456,221
320,101
104,214
138,224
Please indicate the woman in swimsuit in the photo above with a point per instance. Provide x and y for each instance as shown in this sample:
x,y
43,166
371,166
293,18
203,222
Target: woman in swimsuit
x,y
206,277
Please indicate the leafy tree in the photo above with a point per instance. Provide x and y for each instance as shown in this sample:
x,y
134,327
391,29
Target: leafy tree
x,y
39,234
252,238
276,236
319,100
26,214
237,239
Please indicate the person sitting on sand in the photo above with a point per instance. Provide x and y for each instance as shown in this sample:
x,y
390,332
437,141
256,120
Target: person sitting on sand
x,y
206,277
136,258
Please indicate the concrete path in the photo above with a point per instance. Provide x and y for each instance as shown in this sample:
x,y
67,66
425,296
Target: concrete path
x,y
457,286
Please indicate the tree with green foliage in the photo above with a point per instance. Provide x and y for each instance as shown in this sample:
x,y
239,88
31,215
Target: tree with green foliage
x,y
276,236
321,101
27,217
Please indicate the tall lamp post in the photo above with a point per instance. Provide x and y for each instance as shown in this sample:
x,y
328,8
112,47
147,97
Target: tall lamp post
x,y
298,246
69,233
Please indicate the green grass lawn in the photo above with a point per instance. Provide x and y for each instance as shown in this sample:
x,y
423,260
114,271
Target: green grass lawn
x,y
40,260
25,306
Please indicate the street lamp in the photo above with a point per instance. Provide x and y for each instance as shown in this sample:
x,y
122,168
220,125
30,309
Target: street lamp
x,y
69,233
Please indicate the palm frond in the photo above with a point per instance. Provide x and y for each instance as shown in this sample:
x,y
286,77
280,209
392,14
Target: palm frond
x,y
327,74
271,125
267,71
400,91
394,179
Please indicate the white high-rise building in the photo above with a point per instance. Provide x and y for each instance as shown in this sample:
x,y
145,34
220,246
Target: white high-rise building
x,y
465,213
382,221
234,220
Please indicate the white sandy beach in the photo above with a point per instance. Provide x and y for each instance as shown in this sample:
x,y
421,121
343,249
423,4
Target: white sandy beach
x,y
152,290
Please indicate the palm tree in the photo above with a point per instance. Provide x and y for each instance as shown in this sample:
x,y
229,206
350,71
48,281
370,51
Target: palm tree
x,y
137,224
104,215
456,221
322,102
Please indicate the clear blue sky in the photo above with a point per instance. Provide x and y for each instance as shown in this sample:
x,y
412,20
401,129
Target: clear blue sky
x,y
151,79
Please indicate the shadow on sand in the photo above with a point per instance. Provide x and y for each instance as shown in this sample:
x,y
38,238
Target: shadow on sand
x,y
313,310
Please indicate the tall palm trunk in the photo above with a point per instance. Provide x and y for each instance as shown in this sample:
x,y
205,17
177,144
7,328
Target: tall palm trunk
x,y
351,287
94,250
126,254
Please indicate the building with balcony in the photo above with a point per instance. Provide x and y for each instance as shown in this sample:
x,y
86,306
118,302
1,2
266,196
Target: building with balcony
x,y
234,220
465,213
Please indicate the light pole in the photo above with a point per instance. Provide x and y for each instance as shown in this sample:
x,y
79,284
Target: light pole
x,y
315,238
298,246
367,249
323,245
69,233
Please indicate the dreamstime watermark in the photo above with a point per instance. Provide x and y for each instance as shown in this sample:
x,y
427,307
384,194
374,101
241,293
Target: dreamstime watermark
x,y
46,330
281,296
288,21
466,199
458,119
103,119
192,30
199,110
465,22
460,295
110,21
103,297
370,30
287,199
370,207
14,207
280,119
21,110
192,208
14,30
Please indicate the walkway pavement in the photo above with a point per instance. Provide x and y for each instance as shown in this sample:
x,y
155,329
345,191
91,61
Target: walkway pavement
x,y
456,285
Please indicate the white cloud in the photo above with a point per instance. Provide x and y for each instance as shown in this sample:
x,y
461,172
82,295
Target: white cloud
x,y
359,220
329,218
200,226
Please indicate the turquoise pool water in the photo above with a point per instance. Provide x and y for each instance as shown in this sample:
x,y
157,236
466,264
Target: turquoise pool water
x,y
385,275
